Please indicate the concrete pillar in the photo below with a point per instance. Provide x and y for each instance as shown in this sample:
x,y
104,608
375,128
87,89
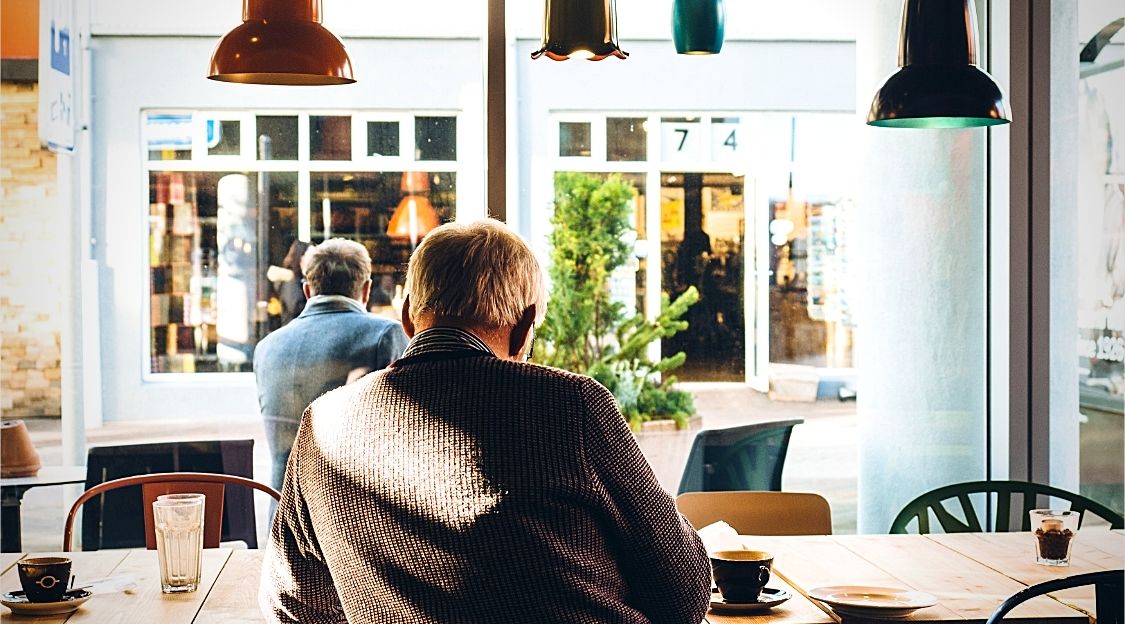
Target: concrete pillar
x,y
920,347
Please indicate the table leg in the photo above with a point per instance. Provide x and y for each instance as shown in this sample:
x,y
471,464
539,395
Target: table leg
x,y
10,538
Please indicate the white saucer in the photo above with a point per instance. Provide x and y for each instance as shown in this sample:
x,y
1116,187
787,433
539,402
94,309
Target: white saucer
x,y
873,602
19,604
769,599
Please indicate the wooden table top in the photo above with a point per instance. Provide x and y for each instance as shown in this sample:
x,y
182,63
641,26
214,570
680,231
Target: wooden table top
x,y
970,573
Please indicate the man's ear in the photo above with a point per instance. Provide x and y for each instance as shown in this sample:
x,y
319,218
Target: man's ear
x,y
365,292
407,322
520,333
307,289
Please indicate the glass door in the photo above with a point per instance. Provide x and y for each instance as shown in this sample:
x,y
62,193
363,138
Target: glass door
x,y
703,245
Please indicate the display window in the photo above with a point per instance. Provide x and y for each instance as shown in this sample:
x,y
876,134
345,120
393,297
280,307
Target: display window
x,y
755,213
235,198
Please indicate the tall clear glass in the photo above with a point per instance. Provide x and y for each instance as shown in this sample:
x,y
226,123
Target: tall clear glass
x,y
179,543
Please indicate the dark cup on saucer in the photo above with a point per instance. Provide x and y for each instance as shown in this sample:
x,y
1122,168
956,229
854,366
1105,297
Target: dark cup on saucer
x,y
44,579
741,574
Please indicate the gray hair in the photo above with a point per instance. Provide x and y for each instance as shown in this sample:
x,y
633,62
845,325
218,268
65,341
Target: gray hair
x,y
480,272
337,267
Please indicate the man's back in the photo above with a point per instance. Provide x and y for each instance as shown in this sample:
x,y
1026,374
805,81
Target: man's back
x,y
313,354
459,487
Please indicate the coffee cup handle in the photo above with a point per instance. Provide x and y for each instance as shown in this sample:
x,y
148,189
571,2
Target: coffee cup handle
x,y
763,575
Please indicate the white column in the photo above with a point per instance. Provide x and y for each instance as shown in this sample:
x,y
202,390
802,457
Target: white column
x,y
920,347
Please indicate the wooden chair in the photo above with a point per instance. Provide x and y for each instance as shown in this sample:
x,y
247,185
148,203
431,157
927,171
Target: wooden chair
x,y
1033,495
759,513
1109,593
211,485
747,457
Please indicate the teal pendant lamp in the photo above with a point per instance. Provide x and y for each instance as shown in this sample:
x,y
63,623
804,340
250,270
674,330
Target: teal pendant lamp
x,y
939,84
698,26
585,29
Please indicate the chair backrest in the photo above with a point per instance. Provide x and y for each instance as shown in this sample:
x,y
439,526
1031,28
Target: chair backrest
x,y
212,486
747,457
964,517
115,519
1109,588
759,513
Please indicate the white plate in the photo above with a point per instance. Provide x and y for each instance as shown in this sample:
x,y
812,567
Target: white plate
x,y
867,601
18,603
769,599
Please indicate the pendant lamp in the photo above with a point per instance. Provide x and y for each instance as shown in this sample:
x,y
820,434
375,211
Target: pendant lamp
x,y
415,216
939,84
580,29
698,26
281,42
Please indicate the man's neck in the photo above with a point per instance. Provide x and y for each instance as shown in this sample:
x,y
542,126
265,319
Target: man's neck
x,y
496,339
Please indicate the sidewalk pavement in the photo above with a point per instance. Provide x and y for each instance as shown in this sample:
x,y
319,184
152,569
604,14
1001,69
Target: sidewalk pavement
x,y
822,453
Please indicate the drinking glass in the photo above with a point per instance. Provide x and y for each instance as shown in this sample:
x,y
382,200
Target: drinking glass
x,y
179,542
1054,531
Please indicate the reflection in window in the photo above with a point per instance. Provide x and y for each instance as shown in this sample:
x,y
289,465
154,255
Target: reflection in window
x,y
382,138
223,138
209,255
361,206
574,138
330,138
281,133
435,138
626,139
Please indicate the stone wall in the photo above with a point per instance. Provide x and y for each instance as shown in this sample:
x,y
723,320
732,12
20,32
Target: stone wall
x,y
32,262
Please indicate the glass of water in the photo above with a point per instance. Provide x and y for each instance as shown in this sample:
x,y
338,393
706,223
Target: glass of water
x,y
179,542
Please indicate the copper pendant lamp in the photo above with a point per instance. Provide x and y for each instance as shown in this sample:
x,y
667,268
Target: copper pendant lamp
x,y
415,216
281,42
939,84
580,29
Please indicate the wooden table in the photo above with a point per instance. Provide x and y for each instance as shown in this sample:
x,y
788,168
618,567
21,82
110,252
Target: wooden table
x,y
971,574
11,496
228,591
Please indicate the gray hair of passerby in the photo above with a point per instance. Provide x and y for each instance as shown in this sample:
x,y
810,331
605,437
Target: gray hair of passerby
x,y
337,267
480,272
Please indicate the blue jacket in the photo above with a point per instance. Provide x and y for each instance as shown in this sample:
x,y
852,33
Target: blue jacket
x,y
314,353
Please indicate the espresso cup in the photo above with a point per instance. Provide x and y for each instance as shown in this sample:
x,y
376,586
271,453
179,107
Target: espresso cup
x,y
741,574
44,579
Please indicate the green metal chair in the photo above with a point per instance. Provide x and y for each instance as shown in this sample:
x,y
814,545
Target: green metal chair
x,y
1004,491
747,457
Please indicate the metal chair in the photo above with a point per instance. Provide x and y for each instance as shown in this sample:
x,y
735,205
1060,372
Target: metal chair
x,y
1109,588
115,520
747,457
212,486
759,513
1004,491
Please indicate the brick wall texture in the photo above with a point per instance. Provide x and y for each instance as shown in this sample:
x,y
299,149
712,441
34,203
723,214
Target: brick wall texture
x,y
32,262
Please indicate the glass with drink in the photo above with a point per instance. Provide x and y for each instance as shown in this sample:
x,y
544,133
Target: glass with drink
x,y
1054,530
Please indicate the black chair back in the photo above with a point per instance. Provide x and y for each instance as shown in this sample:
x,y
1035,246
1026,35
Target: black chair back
x,y
1108,588
115,519
747,457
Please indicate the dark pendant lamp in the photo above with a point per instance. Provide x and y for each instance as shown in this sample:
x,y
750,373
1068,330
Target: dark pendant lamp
x,y
698,25
580,29
281,42
939,84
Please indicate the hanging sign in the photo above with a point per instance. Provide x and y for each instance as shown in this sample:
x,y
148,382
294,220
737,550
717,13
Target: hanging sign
x,y
57,55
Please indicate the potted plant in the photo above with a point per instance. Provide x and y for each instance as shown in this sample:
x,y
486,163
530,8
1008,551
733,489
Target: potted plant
x,y
585,330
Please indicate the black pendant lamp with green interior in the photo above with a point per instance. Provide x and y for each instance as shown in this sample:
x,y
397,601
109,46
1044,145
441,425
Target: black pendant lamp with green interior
x,y
585,29
281,42
698,26
939,84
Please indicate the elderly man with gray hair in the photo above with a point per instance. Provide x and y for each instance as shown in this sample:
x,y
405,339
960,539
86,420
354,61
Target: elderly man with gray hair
x,y
464,484
332,341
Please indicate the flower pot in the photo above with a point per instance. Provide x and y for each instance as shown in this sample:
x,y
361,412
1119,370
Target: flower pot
x,y
18,457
